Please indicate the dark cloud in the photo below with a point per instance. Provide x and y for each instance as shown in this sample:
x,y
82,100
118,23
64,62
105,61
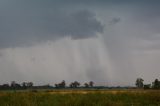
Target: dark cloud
x,y
27,23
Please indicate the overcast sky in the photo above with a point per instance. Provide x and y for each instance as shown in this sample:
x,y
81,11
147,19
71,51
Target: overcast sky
x,y
111,42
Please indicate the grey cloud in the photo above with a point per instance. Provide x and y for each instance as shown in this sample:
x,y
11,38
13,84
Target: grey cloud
x,y
21,26
115,21
1,54
149,47
145,21
147,17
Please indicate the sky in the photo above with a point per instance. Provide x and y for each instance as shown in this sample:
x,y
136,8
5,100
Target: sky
x,y
110,42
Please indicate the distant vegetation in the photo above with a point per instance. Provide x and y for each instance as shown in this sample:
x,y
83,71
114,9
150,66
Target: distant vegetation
x,y
62,85
155,84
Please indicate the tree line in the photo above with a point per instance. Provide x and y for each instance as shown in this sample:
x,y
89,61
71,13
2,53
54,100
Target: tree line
x,y
30,85
154,85
15,85
74,84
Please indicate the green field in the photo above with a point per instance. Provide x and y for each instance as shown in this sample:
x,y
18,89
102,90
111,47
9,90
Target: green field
x,y
80,98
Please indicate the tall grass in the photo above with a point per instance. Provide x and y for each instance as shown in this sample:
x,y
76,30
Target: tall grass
x,y
79,99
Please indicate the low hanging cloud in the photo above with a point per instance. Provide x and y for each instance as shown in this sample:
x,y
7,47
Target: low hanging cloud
x,y
31,25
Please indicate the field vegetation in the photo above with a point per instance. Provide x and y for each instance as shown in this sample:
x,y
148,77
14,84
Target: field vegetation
x,y
80,98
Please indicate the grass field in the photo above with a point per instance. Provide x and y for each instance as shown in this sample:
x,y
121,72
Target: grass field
x,y
81,98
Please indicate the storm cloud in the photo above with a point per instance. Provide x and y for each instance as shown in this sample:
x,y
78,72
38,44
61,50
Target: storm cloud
x,y
26,23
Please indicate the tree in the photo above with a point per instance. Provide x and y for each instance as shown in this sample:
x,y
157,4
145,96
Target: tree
x,y
71,85
139,82
29,84
86,85
91,83
5,86
56,85
13,84
156,84
61,85
24,84
74,84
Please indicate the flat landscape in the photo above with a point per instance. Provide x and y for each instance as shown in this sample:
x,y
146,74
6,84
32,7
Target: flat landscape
x,y
79,52
80,98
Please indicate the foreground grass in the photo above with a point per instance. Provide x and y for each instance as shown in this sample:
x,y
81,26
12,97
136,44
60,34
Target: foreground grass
x,y
79,98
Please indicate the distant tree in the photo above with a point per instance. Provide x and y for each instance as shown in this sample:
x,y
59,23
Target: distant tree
x,y
86,85
156,84
56,85
139,82
13,84
5,86
24,84
29,84
71,85
75,84
61,85
91,83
